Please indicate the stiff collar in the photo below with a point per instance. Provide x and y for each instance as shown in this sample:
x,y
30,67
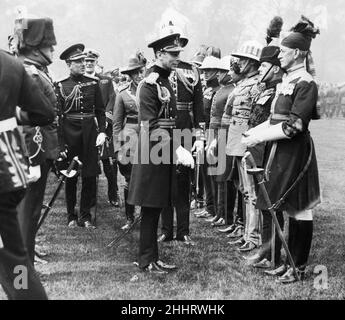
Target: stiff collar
x,y
164,73
273,84
36,64
295,68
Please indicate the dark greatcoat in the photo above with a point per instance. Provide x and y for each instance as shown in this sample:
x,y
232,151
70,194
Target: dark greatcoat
x,y
296,98
18,89
153,185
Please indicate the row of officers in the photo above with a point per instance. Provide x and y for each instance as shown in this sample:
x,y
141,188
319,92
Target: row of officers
x,y
272,121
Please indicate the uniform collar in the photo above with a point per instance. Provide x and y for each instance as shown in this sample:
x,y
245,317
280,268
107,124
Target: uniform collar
x,y
76,77
295,68
273,84
36,64
164,73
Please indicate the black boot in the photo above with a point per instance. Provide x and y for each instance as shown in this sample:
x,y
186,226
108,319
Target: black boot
x,y
129,210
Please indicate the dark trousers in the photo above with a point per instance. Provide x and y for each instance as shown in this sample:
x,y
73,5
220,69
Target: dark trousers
x,y
29,210
88,196
210,202
110,171
126,170
226,199
267,225
300,239
199,197
182,208
13,254
148,246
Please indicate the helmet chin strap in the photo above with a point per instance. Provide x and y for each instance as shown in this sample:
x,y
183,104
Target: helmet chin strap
x,y
45,57
242,71
266,74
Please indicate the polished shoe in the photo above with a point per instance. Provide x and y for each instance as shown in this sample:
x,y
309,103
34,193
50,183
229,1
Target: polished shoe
x,y
212,219
263,264
163,265
39,253
188,241
247,247
228,229
164,238
239,242
154,268
72,224
290,277
204,214
89,225
127,225
219,223
40,261
238,232
193,205
277,272
115,203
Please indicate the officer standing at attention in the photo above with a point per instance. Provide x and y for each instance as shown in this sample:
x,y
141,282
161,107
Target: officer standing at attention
x,y
153,183
83,116
107,153
36,50
186,83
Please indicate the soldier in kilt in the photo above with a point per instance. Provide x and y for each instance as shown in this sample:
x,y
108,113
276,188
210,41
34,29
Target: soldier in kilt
x,y
293,184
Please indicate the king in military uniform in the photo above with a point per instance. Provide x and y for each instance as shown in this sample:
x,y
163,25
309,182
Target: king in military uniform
x,y
82,113
186,83
153,183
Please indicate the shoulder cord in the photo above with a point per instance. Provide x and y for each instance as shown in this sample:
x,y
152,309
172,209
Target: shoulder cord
x,y
71,98
37,139
278,204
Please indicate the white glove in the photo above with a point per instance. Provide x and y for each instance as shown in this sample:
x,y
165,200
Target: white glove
x,y
272,133
198,147
260,127
184,157
34,174
210,151
101,139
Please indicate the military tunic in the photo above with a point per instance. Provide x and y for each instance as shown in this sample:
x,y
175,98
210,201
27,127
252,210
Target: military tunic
x,y
260,113
153,185
295,106
109,96
241,101
125,122
81,103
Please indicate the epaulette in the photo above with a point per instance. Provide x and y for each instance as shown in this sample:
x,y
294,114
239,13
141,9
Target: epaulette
x,y
62,79
183,63
91,77
152,78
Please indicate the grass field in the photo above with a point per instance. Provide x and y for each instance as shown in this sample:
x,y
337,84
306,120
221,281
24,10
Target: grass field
x,y
81,268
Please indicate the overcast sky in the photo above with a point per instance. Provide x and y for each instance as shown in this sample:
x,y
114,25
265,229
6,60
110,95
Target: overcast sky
x,y
117,28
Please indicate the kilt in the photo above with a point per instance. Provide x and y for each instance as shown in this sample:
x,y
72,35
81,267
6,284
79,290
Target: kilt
x,y
80,137
289,161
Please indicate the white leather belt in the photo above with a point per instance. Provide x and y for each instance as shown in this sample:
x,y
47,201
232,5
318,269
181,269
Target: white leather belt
x,y
8,125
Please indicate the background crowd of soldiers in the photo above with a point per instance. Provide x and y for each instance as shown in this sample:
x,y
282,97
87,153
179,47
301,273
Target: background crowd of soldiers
x,y
97,112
